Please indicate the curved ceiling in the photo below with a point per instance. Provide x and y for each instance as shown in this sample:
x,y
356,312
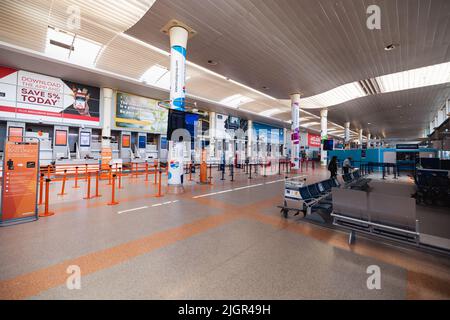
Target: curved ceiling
x,y
273,47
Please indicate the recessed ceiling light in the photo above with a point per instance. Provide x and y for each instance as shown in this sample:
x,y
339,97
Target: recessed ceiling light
x,y
212,63
368,122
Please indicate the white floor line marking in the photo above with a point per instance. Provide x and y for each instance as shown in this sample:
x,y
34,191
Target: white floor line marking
x,y
134,209
157,205
175,201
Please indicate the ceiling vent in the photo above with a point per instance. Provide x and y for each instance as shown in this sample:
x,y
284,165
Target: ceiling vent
x,y
370,86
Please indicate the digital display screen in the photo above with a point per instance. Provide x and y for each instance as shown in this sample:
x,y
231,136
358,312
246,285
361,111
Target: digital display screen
x,y
126,141
142,142
85,139
15,134
60,138
328,144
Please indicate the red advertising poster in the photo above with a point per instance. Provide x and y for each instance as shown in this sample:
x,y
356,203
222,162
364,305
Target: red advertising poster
x,y
314,140
20,171
27,95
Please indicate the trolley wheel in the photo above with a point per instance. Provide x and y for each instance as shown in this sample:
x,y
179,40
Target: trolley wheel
x,y
351,237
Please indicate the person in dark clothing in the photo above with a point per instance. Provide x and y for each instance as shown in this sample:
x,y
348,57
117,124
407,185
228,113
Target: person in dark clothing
x,y
333,167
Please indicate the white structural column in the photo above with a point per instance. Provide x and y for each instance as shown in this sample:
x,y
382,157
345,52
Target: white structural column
x,y
368,140
295,136
178,43
360,138
107,95
212,134
323,135
249,138
284,153
347,133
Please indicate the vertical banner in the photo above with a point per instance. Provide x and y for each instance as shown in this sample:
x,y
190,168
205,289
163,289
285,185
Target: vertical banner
x,y
295,137
20,176
178,70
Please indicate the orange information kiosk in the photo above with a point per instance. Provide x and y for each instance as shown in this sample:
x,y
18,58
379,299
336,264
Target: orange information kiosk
x,y
20,181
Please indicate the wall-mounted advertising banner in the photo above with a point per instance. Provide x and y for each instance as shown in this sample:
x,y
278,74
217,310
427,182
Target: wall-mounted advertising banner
x,y
314,140
268,134
20,174
27,95
135,112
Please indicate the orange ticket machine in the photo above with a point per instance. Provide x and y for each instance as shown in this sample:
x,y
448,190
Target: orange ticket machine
x,y
20,181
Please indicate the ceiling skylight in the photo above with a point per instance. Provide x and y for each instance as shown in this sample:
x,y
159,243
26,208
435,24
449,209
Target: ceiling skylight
x,y
70,47
334,96
158,76
415,78
308,124
270,112
236,100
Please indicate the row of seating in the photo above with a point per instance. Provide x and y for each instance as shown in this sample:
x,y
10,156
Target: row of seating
x,y
354,180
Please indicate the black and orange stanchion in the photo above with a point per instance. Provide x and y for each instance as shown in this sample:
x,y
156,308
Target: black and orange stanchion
x,y
76,186
136,172
46,213
159,194
63,185
113,201
190,171
48,171
41,188
85,172
146,171
120,178
88,190
97,178
110,175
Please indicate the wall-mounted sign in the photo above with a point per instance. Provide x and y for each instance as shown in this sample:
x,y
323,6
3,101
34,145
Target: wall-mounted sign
x,y
28,95
314,140
406,146
126,141
85,139
135,112
20,172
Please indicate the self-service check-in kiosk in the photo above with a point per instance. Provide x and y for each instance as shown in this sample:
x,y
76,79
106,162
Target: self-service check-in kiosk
x,y
125,146
61,149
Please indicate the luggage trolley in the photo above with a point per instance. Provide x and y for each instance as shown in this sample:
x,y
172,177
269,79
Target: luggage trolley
x,y
292,188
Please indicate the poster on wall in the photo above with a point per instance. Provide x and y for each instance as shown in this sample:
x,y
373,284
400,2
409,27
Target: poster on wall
x,y
314,140
27,95
135,112
268,134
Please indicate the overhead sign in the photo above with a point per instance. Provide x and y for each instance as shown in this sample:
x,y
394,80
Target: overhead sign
x,y
135,112
28,95
20,174
314,140
406,146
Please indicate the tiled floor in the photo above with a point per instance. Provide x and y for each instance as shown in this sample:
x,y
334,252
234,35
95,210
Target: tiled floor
x,y
225,241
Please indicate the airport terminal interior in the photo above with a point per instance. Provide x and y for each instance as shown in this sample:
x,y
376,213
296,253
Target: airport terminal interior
x,y
225,149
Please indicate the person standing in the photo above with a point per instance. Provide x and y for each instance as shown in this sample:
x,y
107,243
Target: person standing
x,y
332,167
347,165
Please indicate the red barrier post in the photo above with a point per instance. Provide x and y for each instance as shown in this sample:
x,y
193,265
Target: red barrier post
x,y
63,186
97,178
41,188
113,201
76,186
156,173
146,171
46,213
120,178
88,191
159,194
